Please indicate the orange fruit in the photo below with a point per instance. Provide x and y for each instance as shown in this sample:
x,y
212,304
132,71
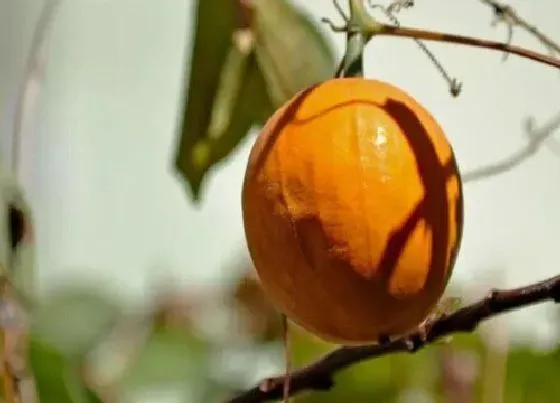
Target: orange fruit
x,y
353,210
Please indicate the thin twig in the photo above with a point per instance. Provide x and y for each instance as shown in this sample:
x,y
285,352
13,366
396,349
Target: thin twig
x,y
319,375
390,11
398,5
506,14
33,66
287,357
369,27
469,41
536,138
554,146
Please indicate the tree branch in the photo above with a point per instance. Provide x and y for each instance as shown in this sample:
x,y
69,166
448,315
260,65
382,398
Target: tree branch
x,y
507,15
368,27
536,138
319,375
467,40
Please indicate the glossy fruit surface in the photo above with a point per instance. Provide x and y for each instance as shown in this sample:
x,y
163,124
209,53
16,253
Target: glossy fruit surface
x,y
353,210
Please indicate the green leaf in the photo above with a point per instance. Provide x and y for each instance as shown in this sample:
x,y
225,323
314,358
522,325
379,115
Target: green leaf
x,y
241,102
231,80
231,85
210,127
214,25
73,321
57,378
292,52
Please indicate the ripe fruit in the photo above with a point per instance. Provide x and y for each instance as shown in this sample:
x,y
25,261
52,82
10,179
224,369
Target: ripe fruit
x,y
353,210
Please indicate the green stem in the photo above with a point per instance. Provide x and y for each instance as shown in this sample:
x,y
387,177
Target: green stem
x,y
361,28
353,61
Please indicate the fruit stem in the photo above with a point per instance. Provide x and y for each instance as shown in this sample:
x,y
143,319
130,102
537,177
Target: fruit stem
x,y
360,27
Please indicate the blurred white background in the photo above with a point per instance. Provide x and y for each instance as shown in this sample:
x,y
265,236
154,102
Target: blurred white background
x,y
99,146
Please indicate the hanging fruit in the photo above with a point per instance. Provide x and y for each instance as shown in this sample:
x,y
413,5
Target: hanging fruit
x,y
353,210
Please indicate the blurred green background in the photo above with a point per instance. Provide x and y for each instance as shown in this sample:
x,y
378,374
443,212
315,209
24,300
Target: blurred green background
x,y
139,120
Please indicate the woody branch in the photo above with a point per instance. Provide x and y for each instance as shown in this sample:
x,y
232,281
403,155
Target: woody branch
x,y
319,375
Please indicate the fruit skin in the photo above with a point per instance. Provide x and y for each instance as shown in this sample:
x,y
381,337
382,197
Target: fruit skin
x,y
353,210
